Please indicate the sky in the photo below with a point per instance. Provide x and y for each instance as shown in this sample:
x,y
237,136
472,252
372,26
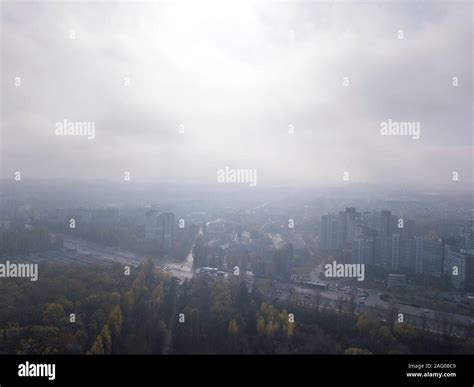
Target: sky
x,y
296,91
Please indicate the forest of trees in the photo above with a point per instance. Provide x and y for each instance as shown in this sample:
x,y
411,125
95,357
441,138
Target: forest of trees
x,y
100,310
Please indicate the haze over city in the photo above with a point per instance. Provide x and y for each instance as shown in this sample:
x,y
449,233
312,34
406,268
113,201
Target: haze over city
x,y
236,178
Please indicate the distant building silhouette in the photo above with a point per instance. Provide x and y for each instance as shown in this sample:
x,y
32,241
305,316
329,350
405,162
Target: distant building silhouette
x,y
159,226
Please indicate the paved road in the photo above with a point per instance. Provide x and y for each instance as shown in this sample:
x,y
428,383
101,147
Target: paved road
x,y
414,316
89,250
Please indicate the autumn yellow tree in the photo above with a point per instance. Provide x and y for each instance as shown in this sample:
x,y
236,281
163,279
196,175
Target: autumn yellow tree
x,y
233,327
260,326
98,347
115,322
106,339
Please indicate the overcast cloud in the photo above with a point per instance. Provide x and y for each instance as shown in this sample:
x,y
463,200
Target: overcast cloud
x,y
235,75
